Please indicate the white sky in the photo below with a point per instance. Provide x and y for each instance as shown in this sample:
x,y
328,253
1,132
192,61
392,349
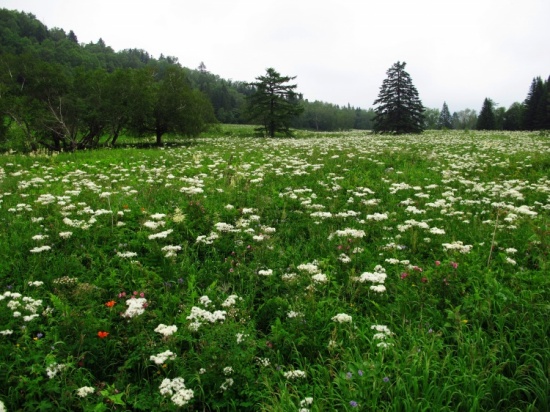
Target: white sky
x,y
456,51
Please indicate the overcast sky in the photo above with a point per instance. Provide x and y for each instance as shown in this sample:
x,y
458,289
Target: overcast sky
x,y
458,51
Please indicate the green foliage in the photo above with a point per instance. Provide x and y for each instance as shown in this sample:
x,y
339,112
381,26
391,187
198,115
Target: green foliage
x,y
399,109
486,119
260,253
445,120
274,103
321,116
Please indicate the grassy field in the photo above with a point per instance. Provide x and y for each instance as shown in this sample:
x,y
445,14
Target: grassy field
x,y
342,271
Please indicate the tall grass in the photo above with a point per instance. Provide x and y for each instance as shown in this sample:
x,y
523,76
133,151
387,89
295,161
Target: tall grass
x,y
326,272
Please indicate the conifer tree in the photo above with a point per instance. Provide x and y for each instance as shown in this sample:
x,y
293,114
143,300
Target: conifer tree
x,y
532,104
399,109
445,119
274,103
486,119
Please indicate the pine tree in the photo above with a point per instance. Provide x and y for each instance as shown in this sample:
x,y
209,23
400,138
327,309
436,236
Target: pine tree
x,y
274,103
399,107
445,119
532,103
486,119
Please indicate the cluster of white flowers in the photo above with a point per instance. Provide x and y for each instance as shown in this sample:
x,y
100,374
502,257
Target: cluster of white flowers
x,y
263,362
378,277
319,278
19,302
199,315
265,272
304,403
65,235
178,216
192,190
292,314
309,267
176,389
161,235
136,307
207,240
225,227
171,250
36,283
382,334
458,246
162,357
354,233
342,318
166,330
85,391
378,217
227,384
295,374
240,337
230,301
126,255
344,258
288,276
40,249
205,300
53,369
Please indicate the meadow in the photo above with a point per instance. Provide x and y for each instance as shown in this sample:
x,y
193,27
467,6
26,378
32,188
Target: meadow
x,y
338,271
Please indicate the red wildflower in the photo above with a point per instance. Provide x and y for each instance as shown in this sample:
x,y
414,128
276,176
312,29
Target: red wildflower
x,y
110,304
102,334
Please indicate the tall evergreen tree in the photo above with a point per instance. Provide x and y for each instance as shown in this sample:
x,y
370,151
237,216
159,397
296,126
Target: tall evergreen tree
x,y
542,114
445,119
486,119
532,102
274,103
399,109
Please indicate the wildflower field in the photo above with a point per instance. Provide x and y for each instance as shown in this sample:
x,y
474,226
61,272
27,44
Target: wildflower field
x,y
328,272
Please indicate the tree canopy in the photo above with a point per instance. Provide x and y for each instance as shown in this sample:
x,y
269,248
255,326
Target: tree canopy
x,y
399,109
445,120
274,103
486,119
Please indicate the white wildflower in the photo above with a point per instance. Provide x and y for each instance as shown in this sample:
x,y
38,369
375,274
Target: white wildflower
x,y
85,391
136,306
342,318
295,374
162,357
166,330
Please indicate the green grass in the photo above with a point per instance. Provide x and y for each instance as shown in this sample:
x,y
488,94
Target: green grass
x,y
278,234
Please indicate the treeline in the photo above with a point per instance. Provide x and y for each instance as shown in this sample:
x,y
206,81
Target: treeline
x,y
532,114
63,94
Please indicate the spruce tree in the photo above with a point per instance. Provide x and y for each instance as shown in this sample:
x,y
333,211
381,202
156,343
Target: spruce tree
x,y
486,119
399,107
445,119
532,104
274,103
